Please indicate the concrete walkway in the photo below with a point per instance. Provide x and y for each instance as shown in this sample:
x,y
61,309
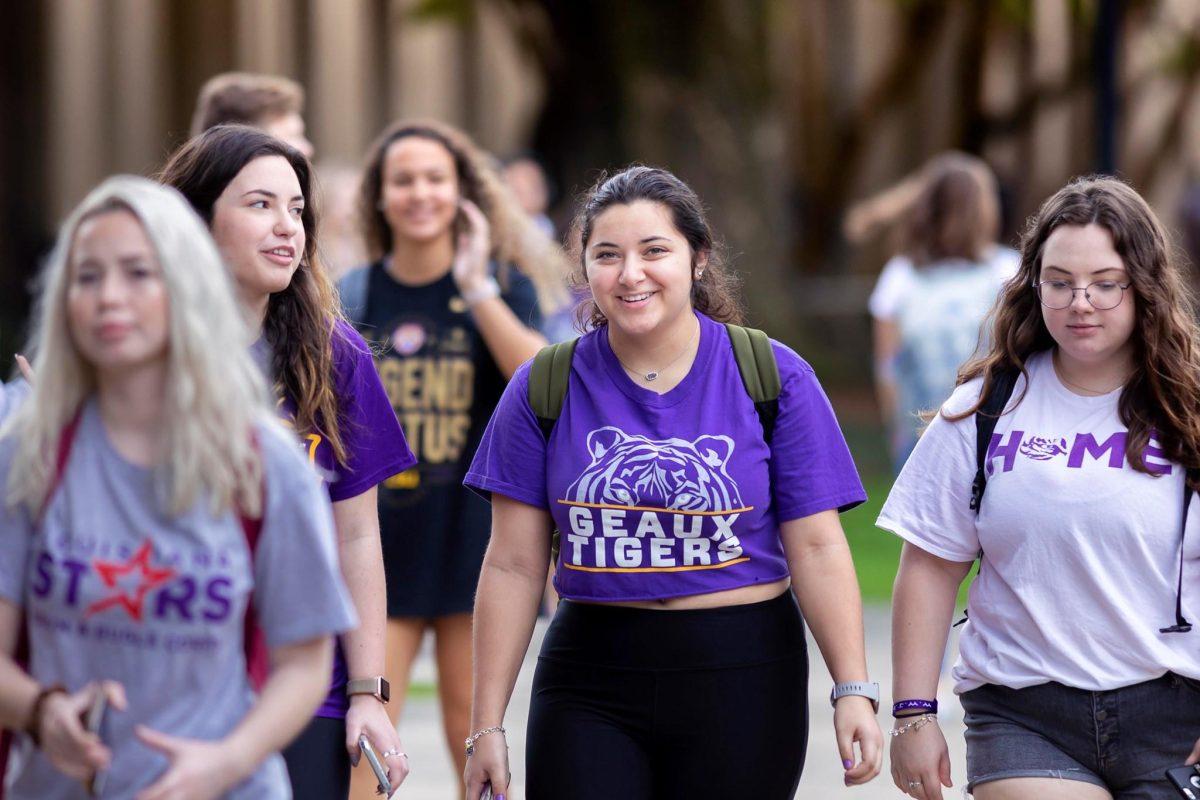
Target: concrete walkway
x,y
432,775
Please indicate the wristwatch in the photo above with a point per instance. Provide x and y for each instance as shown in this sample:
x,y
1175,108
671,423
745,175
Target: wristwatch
x,y
856,688
377,687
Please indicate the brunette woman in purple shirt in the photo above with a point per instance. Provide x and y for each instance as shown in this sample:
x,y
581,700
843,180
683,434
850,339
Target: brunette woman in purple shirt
x,y
255,192
675,666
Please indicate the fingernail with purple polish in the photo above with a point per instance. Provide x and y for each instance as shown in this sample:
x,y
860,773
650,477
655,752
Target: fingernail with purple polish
x,y
847,763
499,797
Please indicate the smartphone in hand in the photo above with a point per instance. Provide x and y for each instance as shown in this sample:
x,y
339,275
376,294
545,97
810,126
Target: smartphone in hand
x,y
1186,781
93,721
385,786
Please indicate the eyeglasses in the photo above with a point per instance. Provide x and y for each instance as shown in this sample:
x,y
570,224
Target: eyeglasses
x,y
1103,295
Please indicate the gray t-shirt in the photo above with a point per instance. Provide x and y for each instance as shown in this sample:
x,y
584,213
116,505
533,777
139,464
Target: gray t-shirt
x,y
114,588
11,395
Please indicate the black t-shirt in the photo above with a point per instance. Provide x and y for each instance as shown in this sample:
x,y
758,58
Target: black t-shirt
x,y
443,385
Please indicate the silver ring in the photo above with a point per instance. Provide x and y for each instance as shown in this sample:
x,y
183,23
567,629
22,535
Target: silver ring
x,y
913,784
393,752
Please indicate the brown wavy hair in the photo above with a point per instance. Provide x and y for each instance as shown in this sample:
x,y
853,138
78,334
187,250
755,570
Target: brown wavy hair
x,y
1158,397
301,320
516,239
716,293
956,215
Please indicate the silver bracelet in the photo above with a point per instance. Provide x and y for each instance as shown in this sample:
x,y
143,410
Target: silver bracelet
x,y
474,737
920,722
485,291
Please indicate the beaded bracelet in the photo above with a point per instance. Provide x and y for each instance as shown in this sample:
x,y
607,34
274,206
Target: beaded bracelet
x,y
474,737
915,725
922,706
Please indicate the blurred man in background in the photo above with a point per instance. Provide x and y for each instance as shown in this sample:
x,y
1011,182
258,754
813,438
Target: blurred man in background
x,y
269,102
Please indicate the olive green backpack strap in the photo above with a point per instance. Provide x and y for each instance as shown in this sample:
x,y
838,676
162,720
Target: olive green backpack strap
x,y
548,376
760,373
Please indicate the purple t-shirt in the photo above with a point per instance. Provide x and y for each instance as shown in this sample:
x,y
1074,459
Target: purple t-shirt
x,y
668,495
375,450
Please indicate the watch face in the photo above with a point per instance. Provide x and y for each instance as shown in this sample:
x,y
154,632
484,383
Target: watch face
x,y
385,690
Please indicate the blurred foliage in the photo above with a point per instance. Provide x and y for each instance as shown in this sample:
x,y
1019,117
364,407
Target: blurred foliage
x,y
460,11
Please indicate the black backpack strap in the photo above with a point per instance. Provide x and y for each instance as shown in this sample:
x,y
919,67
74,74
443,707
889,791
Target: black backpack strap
x,y
760,373
986,417
1181,624
548,377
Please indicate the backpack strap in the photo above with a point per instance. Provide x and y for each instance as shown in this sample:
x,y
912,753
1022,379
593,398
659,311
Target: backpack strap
x,y
66,440
760,373
548,377
986,417
258,655
1181,624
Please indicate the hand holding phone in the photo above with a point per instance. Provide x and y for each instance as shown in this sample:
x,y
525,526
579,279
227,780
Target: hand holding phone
x,y
1186,781
381,775
93,721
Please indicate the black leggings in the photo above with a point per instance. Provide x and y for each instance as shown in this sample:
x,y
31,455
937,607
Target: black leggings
x,y
317,762
664,705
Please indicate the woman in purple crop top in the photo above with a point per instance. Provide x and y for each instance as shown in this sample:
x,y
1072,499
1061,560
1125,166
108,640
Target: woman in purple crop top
x,y
675,665
255,192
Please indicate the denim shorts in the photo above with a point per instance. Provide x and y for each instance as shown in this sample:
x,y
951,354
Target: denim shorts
x,y
1123,740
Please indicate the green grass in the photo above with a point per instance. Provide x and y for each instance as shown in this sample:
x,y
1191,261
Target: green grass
x,y
422,689
877,552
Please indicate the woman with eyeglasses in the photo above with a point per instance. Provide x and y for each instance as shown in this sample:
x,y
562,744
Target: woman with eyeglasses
x,y
1078,670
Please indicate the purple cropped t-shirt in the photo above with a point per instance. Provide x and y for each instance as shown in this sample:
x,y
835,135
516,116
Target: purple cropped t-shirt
x,y
659,496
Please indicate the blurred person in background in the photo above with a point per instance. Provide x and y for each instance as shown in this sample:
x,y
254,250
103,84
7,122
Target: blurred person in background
x,y
342,244
930,301
269,102
676,664
452,303
256,194
148,450
527,179
529,183
1078,671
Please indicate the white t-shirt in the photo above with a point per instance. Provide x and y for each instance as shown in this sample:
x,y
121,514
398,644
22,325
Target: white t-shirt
x,y
1081,552
899,277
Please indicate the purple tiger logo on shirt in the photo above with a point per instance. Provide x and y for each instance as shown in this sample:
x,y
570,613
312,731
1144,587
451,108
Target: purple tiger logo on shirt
x,y
1043,449
631,470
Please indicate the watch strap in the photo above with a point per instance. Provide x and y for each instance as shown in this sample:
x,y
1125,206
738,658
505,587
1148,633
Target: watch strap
x,y
856,689
377,687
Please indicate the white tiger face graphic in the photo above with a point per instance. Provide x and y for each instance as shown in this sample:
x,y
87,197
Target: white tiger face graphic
x,y
673,473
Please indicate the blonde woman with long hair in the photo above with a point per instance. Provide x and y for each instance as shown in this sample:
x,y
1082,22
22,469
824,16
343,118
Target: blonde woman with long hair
x,y
151,505
452,302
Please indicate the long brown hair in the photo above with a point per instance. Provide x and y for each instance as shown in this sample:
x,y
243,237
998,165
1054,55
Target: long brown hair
x,y
715,293
516,239
956,215
301,320
1159,396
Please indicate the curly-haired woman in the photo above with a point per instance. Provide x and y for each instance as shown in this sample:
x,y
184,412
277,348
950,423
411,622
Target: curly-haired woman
x,y
691,524
1078,669
452,302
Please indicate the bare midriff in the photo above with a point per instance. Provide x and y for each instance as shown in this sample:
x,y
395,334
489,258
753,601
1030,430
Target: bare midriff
x,y
741,596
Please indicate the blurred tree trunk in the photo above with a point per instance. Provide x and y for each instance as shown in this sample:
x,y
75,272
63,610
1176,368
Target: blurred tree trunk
x,y
682,84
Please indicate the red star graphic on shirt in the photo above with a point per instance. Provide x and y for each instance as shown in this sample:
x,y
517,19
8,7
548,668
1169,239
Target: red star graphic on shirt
x,y
111,572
